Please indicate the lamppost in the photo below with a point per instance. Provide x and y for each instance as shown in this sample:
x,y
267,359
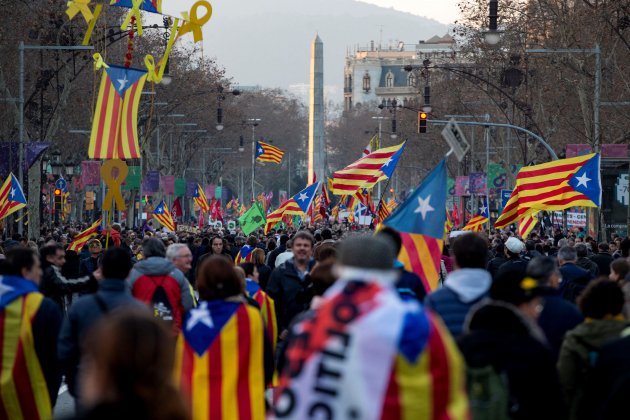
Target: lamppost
x,y
492,36
253,122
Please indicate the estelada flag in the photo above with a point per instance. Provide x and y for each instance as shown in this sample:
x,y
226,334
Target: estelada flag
x,y
82,238
114,129
11,196
267,309
219,361
23,389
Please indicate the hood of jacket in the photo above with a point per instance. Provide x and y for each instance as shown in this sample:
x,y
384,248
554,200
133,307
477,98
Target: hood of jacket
x,y
154,266
469,283
594,333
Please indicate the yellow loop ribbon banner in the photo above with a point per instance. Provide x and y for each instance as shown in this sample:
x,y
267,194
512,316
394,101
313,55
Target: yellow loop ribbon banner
x,y
79,6
156,75
135,11
88,33
99,62
114,182
194,22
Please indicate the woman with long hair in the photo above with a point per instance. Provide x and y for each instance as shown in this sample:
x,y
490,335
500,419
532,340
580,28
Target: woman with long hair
x,y
127,370
223,358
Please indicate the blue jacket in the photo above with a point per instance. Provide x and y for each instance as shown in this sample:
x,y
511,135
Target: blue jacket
x,y
461,291
574,281
83,314
557,317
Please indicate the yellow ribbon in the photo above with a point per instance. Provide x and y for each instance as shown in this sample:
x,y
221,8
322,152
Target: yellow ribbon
x,y
92,24
135,11
195,23
157,75
99,62
76,6
114,182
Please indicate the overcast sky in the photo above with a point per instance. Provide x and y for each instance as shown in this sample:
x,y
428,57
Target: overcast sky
x,y
444,11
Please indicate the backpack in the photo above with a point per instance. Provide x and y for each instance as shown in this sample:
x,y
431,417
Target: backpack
x,y
163,295
488,393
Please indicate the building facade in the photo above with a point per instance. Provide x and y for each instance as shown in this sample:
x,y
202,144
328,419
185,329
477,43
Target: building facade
x,y
377,75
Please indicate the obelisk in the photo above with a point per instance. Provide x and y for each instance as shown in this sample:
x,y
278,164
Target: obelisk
x,y
316,142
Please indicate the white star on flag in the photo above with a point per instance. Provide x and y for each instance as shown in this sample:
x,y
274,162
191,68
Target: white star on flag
x,y
12,193
583,180
424,207
123,82
303,197
483,209
260,150
200,314
4,289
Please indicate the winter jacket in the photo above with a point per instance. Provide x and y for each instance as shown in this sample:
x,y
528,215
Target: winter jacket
x,y
577,354
574,281
512,264
461,291
288,292
494,264
603,260
497,334
56,286
557,317
83,314
271,257
88,266
588,265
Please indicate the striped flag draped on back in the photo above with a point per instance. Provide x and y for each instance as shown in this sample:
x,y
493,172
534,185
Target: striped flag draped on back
x,y
11,197
114,128
555,185
82,238
268,153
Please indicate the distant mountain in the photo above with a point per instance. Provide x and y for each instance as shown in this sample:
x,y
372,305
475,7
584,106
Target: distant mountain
x,y
267,43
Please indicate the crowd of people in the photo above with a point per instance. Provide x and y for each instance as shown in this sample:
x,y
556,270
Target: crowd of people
x,y
316,322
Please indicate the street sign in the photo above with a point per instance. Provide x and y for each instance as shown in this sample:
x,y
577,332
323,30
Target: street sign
x,y
456,139
61,184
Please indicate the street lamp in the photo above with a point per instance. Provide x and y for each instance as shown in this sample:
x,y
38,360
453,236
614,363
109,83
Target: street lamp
x,y
427,86
253,122
221,98
492,36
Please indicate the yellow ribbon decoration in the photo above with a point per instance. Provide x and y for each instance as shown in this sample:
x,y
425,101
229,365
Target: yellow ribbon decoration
x,y
99,62
195,23
92,24
76,6
114,182
135,11
149,62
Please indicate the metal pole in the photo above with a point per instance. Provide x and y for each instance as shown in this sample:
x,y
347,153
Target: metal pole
x,y
289,179
21,133
157,132
253,160
378,191
597,97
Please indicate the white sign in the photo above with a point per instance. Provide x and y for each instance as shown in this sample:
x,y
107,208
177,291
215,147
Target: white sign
x,y
456,139
574,219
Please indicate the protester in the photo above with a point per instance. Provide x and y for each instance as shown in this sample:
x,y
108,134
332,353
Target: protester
x,y
501,339
90,264
222,350
619,270
271,257
264,272
180,256
265,303
498,260
158,283
361,325
584,262
30,324
603,258
465,286
601,304
558,315
127,370
289,280
514,263
84,313
286,255
574,278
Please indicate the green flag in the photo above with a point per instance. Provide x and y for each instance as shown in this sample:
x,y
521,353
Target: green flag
x,y
252,219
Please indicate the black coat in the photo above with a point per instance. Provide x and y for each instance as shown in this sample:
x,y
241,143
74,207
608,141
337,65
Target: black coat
x,y
498,335
574,281
289,292
603,260
557,317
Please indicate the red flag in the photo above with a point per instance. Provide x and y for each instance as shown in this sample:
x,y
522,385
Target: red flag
x,y
177,208
215,210
455,215
202,221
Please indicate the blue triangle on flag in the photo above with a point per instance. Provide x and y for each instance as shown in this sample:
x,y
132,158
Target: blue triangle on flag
x,y
483,209
423,211
252,287
16,194
305,197
147,5
203,324
587,180
160,208
389,166
123,78
259,149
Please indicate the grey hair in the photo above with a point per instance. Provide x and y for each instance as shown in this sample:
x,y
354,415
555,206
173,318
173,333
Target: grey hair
x,y
153,247
541,269
172,251
581,250
567,253
563,242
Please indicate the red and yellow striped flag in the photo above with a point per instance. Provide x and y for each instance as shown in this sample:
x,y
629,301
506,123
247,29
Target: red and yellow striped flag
x,y
555,185
527,224
11,196
23,390
268,153
199,197
114,128
267,309
219,364
82,238
163,216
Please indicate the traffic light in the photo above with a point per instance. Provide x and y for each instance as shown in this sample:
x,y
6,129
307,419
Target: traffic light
x,y
57,192
422,122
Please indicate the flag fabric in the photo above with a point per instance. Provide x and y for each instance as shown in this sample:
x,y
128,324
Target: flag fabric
x,y
394,359
216,211
252,219
163,216
455,215
199,197
373,144
296,205
383,211
267,309
268,153
481,218
526,225
219,361
367,171
177,208
114,128
202,219
420,221
11,197
82,238
317,216
244,254
555,185
242,210
448,225
23,390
